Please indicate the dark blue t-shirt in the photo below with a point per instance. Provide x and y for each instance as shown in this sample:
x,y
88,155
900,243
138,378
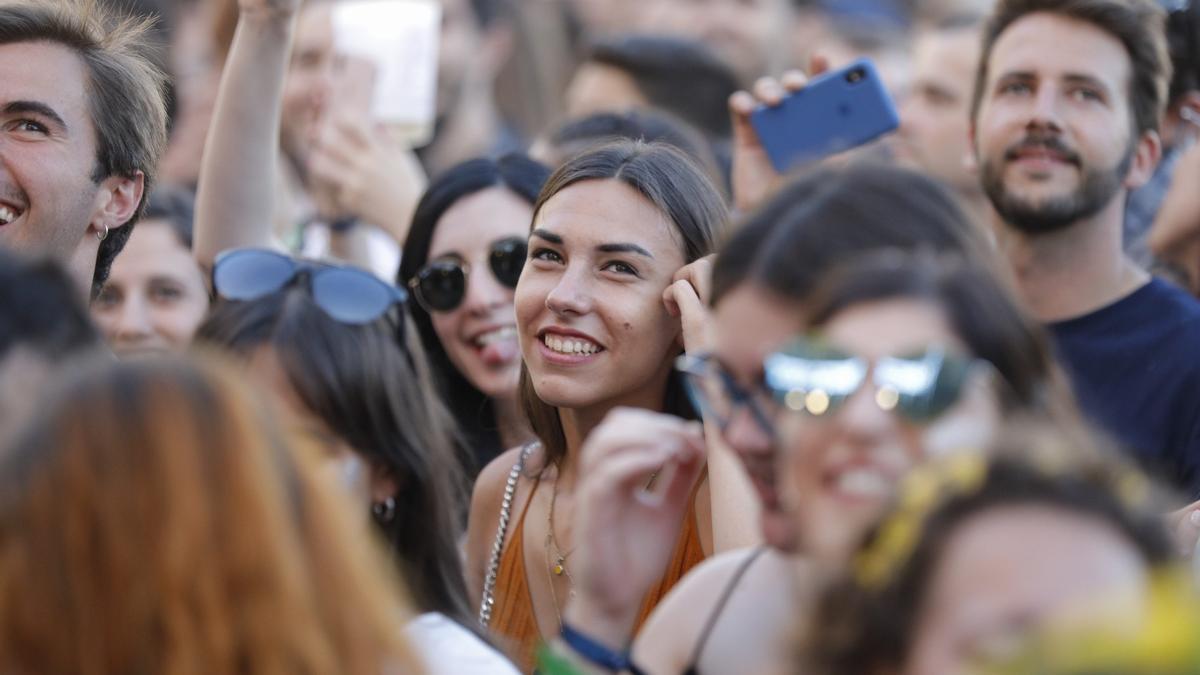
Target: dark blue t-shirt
x,y
1135,369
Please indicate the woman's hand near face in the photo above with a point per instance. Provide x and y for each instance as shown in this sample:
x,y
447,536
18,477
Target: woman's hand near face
x,y
753,176
625,532
687,298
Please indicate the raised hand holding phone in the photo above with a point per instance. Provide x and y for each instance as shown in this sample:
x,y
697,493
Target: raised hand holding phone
x,y
834,112
753,174
357,168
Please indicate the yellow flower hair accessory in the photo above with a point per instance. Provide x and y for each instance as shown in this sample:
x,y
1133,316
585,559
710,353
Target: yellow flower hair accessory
x,y
922,490
1164,641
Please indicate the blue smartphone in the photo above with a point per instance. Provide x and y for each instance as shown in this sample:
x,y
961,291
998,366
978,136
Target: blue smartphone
x,y
836,111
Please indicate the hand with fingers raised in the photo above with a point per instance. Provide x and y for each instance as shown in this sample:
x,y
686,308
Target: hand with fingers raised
x,y
356,168
753,176
625,530
687,298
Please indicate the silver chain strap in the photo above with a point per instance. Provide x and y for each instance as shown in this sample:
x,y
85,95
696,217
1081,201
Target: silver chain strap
x,y
489,580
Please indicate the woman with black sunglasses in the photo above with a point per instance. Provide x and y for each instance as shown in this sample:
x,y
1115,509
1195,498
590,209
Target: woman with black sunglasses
x,y
462,258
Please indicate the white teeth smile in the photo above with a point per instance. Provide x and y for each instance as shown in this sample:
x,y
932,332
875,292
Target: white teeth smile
x,y
864,483
6,215
497,335
570,345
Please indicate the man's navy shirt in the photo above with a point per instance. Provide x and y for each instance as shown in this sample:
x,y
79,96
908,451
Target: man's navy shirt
x,y
1135,369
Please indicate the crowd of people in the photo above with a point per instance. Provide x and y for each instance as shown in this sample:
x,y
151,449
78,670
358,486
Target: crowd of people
x,y
585,383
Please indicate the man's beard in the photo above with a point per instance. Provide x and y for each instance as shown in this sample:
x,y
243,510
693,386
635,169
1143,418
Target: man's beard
x,y
1057,212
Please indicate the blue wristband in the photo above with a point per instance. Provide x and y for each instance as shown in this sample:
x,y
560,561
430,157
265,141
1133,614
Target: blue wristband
x,y
597,654
343,225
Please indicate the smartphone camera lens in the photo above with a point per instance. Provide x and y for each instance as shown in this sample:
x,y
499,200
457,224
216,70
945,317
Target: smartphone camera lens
x,y
855,76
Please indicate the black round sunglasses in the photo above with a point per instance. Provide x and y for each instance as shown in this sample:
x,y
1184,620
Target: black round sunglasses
x,y
441,285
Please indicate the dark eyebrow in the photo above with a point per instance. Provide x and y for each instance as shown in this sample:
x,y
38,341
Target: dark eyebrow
x,y
37,108
603,248
548,236
1017,75
624,248
1088,80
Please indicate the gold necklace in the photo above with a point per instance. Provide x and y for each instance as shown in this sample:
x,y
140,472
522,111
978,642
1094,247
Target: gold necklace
x,y
559,566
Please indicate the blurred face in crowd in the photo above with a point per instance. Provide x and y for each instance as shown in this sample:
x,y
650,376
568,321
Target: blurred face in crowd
x,y
1053,131
48,199
458,46
310,78
934,117
1009,570
746,33
480,334
740,353
590,313
599,87
155,296
841,464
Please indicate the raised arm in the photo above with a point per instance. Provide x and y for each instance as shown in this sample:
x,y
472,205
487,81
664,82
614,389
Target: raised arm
x,y
234,202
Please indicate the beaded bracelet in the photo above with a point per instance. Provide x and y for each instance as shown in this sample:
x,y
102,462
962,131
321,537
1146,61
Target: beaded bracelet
x,y
598,654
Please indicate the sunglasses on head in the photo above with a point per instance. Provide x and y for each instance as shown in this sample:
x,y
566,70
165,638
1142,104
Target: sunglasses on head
x,y
347,294
813,378
441,285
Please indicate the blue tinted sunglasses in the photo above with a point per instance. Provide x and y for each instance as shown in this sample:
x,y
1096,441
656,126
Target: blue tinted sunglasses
x,y
811,377
347,294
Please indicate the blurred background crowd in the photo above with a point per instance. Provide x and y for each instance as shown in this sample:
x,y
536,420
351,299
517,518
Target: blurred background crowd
x,y
583,382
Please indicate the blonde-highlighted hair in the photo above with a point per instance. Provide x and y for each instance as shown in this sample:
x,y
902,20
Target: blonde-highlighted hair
x,y
152,520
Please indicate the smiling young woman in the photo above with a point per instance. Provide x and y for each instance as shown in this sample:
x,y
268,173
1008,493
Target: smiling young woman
x,y
600,313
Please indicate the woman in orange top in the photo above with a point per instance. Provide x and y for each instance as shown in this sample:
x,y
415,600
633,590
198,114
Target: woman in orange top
x,y
612,292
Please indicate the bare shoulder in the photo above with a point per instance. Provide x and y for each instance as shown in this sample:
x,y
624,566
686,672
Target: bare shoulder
x,y
484,517
666,640
705,582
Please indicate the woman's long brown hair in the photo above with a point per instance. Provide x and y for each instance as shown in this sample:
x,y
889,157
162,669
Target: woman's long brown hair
x,y
152,520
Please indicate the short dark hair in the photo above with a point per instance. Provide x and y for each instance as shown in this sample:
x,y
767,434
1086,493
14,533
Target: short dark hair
x,y
472,409
125,92
665,177
868,626
649,125
832,214
40,309
488,12
1183,44
1138,24
678,75
177,207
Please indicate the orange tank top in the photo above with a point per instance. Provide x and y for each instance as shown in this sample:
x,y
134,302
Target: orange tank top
x,y
513,621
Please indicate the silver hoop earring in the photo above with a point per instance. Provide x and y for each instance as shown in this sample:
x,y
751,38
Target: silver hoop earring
x,y
102,235
384,511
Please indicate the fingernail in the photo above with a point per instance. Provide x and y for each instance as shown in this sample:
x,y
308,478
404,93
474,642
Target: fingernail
x,y
1194,518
